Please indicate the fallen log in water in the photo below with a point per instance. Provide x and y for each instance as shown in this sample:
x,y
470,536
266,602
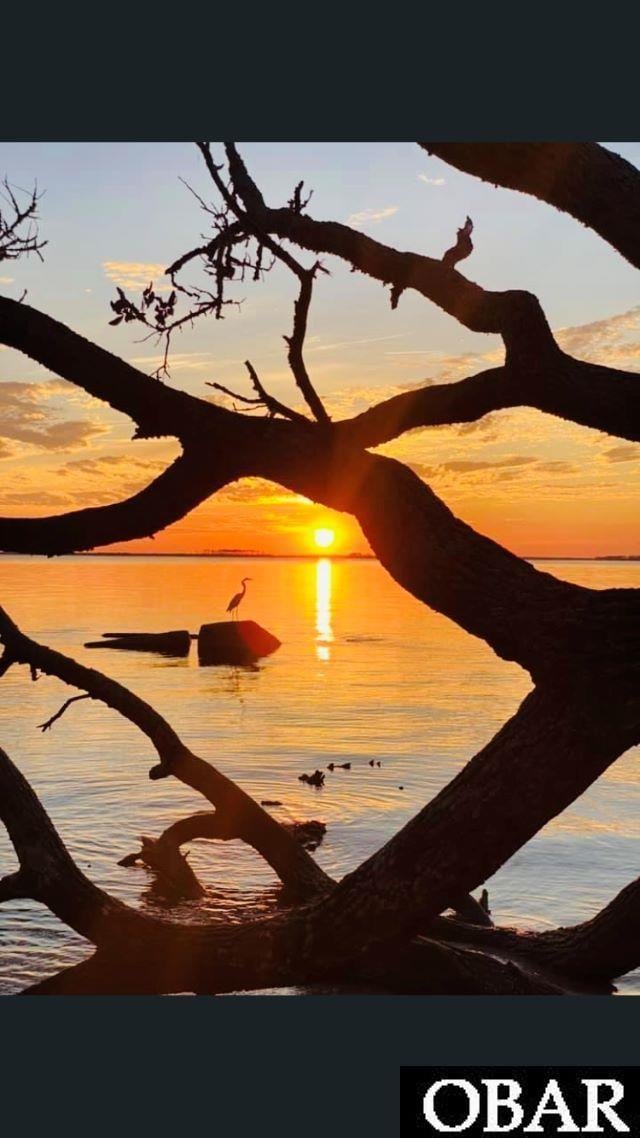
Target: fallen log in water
x,y
176,643
234,642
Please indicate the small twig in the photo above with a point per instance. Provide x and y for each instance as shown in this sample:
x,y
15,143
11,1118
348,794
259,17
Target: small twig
x,y
235,394
19,233
273,405
50,722
263,398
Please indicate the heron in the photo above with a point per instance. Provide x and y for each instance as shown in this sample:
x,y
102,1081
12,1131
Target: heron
x,y
234,603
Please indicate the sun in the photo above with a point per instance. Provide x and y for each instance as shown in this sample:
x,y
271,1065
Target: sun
x,y
324,538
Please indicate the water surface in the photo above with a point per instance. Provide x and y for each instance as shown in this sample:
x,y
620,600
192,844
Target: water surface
x,y
364,671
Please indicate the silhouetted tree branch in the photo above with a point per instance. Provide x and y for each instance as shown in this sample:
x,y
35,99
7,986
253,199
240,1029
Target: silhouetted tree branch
x,y
598,188
236,811
18,224
579,645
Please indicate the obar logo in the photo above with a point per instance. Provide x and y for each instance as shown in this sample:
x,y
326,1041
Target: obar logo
x,y
518,1100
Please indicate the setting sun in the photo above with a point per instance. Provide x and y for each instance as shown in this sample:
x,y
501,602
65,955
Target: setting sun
x,y
324,538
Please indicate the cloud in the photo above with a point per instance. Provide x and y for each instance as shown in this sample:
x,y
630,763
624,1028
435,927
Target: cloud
x,y
134,274
622,454
557,466
320,346
461,465
122,463
181,361
432,181
605,341
507,467
6,280
259,492
27,416
371,216
35,497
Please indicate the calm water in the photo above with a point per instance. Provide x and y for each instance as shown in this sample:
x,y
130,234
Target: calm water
x,y
364,671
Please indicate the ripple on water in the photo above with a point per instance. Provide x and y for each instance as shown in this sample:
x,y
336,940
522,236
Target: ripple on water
x,y
364,672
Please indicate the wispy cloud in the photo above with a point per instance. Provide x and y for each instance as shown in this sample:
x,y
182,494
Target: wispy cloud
x,y
612,340
432,181
134,274
182,361
371,216
6,280
28,416
320,346
622,454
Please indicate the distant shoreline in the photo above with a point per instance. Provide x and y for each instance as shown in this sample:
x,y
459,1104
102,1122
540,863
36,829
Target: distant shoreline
x,y
242,555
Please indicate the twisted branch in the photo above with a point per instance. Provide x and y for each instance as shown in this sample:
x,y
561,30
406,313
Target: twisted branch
x,y
234,807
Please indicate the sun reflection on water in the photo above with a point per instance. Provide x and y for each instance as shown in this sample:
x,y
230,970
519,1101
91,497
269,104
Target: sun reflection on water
x,y
324,632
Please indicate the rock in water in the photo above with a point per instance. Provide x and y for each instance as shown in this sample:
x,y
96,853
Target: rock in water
x,y
234,642
166,643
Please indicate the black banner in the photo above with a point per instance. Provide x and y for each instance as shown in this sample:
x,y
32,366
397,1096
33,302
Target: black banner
x,y
518,1100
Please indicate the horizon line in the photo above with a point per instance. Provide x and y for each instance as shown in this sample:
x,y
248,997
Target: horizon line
x,y
310,556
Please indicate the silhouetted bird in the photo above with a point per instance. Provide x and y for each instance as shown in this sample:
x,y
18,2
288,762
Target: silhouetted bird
x,y
234,603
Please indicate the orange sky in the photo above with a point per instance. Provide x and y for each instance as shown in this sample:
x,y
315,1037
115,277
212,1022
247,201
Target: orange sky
x,y
536,484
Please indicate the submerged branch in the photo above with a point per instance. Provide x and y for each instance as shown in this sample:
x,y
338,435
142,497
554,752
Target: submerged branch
x,y
236,808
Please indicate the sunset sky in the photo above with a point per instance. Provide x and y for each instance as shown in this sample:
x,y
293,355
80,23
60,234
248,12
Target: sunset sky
x,y
119,213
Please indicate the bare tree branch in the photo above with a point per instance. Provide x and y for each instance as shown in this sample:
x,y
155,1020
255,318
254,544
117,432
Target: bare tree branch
x,y
600,949
249,821
598,188
18,228
304,275
170,496
603,398
48,724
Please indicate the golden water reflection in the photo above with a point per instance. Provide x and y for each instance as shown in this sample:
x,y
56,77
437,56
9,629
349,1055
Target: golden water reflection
x,y
324,631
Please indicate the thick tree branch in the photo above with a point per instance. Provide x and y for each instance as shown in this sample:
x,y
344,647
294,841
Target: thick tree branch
x,y
557,744
149,402
525,615
237,809
602,948
175,876
174,493
598,188
515,315
543,376
139,954
604,398
375,906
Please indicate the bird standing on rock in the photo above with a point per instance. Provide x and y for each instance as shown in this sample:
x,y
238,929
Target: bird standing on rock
x,y
234,603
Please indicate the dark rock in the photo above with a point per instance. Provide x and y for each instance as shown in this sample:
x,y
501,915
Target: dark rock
x,y
270,802
238,642
315,779
166,643
309,834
